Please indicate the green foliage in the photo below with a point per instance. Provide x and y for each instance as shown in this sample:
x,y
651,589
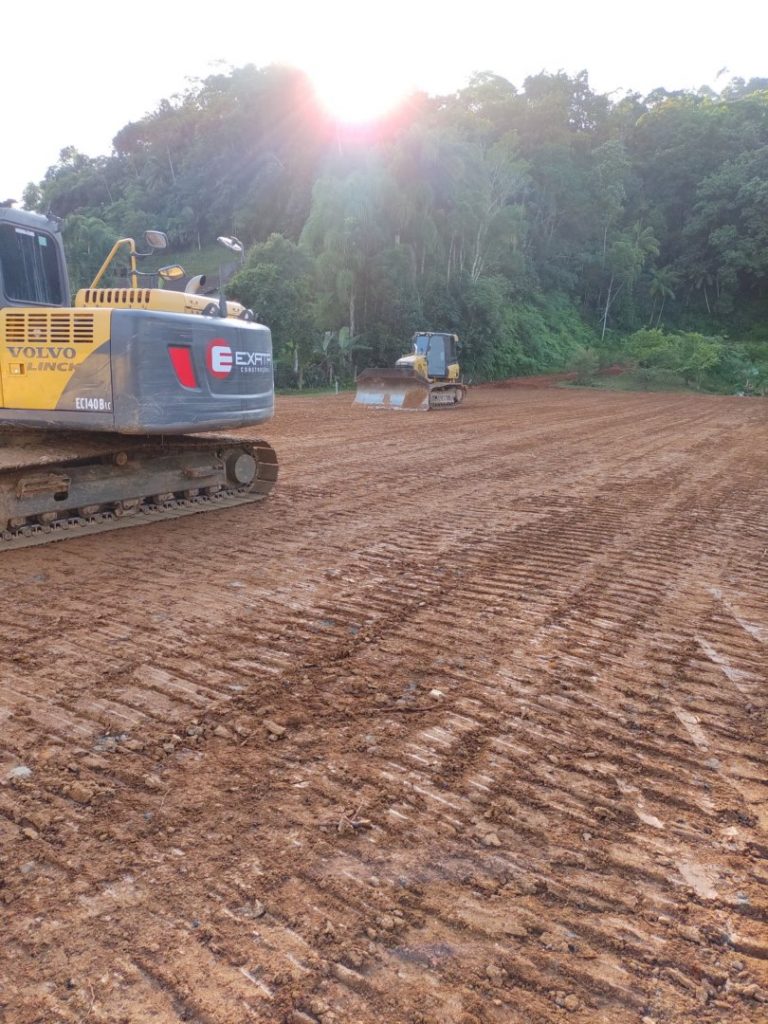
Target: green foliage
x,y
543,224
277,282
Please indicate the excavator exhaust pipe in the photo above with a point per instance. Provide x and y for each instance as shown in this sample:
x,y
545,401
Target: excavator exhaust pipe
x,y
393,389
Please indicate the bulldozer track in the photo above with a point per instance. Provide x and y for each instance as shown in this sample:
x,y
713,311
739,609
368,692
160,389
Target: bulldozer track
x,y
465,725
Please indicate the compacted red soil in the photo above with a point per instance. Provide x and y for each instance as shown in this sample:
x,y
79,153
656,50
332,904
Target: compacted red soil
x,y
464,725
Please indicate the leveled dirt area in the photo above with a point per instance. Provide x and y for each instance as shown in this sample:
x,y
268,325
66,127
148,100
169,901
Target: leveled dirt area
x,y
465,725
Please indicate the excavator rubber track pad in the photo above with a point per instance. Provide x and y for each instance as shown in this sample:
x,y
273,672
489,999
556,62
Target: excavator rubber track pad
x,y
393,389
55,487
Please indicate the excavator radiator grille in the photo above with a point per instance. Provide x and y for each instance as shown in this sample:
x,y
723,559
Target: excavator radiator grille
x,y
116,297
45,328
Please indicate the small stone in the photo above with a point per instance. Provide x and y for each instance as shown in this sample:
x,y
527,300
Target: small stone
x,y
437,694
490,839
493,972
386,921
222,731
30,833
169,747
690,933
648,1020
371,933
571,1003
21,771
80,793
135,746
153,782
274,728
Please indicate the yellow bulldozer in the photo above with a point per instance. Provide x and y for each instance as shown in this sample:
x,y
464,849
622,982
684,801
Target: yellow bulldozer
x,y
427,378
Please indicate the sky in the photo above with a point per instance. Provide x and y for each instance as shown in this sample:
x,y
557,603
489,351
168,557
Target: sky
x,y
73,74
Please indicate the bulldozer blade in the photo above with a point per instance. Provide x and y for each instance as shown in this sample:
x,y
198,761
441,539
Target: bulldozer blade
x,y
392,389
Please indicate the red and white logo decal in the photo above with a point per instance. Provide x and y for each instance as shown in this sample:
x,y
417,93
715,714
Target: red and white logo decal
x,y
218,358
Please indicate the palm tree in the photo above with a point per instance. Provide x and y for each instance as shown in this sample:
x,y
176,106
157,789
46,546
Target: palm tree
x,y
662,286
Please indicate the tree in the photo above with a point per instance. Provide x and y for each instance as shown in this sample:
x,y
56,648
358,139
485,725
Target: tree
x,y
277,282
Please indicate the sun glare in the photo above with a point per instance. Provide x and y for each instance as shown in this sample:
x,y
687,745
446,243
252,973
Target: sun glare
x,y
357,95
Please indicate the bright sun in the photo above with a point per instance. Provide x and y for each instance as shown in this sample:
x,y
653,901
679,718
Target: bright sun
x,y
358,93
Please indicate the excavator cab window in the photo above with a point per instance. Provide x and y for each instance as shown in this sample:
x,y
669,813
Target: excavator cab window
x,y
29,266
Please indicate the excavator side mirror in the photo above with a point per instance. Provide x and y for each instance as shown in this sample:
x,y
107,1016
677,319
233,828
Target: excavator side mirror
x,y
231,243
156,239
172,272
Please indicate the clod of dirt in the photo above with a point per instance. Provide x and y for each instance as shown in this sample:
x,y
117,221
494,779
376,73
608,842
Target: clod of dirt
x,y
571,1003
94,761
490,839
153,782
253,909
273,728
553,942
298,1017
494,973
222,732
38,820
80,792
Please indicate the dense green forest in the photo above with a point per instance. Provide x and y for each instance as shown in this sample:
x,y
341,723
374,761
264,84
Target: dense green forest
x,y
550,226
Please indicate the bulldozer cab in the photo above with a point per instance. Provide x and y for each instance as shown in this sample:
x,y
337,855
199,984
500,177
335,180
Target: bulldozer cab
x,y
439,350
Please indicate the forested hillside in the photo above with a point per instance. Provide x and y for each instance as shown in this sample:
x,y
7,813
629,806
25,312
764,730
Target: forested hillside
x,y
549,226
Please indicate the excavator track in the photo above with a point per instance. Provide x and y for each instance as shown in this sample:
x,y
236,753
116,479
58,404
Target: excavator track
x,y
59,486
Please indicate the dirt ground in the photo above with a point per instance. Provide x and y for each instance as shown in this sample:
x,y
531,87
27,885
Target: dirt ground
x,y
464,725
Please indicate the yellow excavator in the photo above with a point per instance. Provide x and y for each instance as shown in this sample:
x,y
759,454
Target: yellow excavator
x,y
428,378
98,399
